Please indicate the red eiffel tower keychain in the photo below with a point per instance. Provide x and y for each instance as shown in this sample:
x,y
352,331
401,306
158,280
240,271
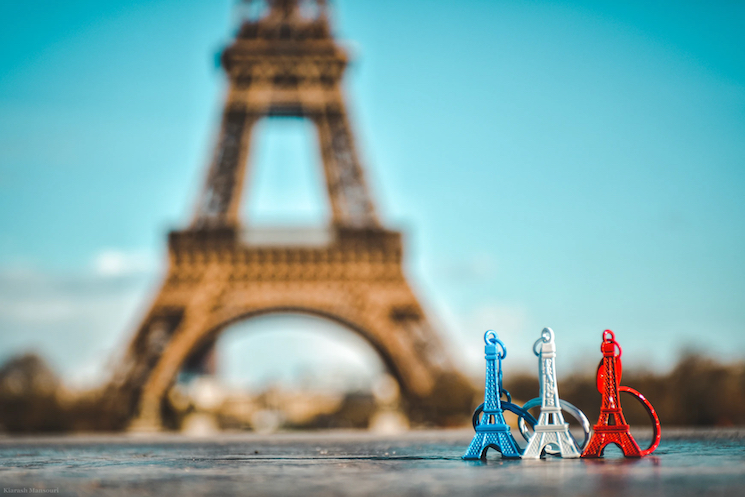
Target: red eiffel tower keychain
x,y
611,426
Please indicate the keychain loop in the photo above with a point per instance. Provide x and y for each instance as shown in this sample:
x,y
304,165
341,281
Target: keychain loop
x,y
522,414
656,430
491,338
546,336
536,345
612,340
506,394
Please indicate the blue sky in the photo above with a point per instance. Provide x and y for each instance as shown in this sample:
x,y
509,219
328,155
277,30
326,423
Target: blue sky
x,y
579,165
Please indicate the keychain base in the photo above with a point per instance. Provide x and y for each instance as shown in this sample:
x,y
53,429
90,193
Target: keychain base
x,y
496,436
556,435
608,434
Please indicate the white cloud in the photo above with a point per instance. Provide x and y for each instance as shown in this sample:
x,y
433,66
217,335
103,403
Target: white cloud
x,y
75,321
114,263
296,350
510,321
477,267
37,310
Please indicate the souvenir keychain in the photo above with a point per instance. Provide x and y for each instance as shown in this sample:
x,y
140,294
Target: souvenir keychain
x,y
611,426
551,433
488,419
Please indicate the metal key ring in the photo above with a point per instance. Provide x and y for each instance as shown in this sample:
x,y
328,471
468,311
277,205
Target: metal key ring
x,y
546,336
506,394
612,340
656,435
491,338
565,406
522,413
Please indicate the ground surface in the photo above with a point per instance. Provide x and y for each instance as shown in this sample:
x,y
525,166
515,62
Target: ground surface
x,y
688,462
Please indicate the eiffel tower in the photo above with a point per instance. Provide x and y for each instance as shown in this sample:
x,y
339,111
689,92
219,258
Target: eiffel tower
x,y
285,62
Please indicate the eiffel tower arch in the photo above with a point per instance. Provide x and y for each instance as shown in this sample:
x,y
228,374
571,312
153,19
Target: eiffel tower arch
x,y
285,62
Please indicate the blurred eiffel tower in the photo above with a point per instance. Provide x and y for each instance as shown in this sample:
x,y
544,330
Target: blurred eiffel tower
x,y
285,62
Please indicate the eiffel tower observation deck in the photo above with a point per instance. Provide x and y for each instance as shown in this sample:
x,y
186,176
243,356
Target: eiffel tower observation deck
x,y
284,61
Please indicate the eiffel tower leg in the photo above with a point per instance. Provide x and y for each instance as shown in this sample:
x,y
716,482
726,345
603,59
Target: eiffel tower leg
x,y
629,447
501,441
559,437
595,445
620,436
477,449
567,448
221,198
148,416
351,204
121,396
184,339
508,446
535,446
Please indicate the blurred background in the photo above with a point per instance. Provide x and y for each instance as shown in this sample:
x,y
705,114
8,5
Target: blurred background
x,y
577,165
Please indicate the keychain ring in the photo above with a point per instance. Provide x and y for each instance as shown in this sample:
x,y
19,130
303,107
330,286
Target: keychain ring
x,y
565,406
535,346
506,394
612,340
546,336
656,431
491,338
522,413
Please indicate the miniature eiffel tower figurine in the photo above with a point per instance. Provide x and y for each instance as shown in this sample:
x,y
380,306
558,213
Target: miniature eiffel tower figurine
x,y
551,428
611,426
492,431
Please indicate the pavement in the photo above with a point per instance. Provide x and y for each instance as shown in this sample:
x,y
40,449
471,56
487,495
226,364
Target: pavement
x,y
701,462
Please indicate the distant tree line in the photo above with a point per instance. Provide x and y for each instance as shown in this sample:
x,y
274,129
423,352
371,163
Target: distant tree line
x,y
697,392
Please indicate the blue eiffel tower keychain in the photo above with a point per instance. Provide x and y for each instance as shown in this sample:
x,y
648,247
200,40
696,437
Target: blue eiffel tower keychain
x,y
488,419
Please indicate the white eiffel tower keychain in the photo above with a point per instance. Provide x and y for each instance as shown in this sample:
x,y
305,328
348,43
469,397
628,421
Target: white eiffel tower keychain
x,y
551,433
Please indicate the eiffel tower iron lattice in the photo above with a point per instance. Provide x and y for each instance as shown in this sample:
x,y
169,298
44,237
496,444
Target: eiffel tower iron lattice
x,y
285,62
